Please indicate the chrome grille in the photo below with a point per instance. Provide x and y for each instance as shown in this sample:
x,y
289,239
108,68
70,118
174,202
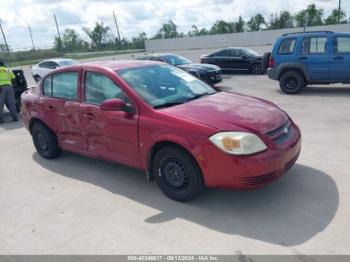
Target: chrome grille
x,y
282,133
263,179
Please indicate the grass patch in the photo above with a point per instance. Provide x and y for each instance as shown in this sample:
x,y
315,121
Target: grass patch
x,y
34,57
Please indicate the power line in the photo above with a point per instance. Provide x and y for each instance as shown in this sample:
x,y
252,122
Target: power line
x,y
116,25
3,35
31,36
339,10
58,31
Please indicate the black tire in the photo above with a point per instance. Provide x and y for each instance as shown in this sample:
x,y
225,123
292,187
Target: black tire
x,y
292,82
37,78
265,62
45,141
256,69
177,174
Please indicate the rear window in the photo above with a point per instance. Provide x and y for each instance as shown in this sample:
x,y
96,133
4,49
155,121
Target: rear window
x,y
314,45
287,46
342,44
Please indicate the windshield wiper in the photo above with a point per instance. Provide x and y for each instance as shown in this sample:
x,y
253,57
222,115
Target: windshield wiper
x,y
169,104
198,96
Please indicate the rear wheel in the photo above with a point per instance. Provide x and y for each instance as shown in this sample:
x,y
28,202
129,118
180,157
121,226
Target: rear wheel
x,y
37,78
45,141
177,174
292,82
256,69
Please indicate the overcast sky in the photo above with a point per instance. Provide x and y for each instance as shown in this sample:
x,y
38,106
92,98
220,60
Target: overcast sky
x,y
134,16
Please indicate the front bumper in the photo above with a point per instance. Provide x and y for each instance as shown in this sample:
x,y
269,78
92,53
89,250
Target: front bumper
x,y
248,172
272,73
212,77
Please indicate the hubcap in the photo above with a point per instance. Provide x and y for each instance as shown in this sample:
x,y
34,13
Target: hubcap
x,y
256,69
174,174
291,83
42,141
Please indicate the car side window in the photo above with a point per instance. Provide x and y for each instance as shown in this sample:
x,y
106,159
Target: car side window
x,y
287,46
223,53
52,65
157,59
342,44
47,86
99,88
65,85
44,65
314,45
236,53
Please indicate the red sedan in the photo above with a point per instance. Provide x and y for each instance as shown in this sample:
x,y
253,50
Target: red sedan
x,y
158,118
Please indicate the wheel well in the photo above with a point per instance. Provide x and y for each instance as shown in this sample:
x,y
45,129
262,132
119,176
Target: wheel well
x,y
291,69
37,120
156,147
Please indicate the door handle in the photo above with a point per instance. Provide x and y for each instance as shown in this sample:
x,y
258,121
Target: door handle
x,y
51,108
338,57
303,58
89,115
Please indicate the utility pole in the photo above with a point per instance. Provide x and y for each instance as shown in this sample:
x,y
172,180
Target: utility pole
x,y
339,10
58,32
116,25
3,35
31,36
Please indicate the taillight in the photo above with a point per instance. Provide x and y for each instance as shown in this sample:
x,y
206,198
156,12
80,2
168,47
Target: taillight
x,y
271,62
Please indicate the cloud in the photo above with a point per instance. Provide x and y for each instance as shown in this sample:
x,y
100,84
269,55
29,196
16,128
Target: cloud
x,y
134,16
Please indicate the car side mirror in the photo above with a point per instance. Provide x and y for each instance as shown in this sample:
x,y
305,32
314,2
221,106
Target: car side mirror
x,y
243,56
116,104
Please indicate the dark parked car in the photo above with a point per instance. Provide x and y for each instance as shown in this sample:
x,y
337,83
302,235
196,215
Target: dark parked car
x,y
305,58
155,117
208,73
235,59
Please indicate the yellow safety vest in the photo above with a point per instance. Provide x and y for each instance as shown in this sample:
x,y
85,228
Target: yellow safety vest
x,y
6,75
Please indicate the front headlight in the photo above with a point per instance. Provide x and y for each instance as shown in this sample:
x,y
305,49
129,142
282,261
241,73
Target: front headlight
x,y
238,143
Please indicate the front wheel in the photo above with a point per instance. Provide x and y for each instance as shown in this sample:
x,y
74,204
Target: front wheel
x,y
256,69
45,141
292,82
177,174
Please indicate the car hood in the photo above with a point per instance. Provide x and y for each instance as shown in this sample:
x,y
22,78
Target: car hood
x,y
205,67
230,112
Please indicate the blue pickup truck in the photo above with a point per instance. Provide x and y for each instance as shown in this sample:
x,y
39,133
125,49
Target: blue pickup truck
x,y
317,57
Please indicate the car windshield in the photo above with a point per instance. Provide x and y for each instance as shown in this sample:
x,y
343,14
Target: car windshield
x,y
176,60
251,52
164,85
68,62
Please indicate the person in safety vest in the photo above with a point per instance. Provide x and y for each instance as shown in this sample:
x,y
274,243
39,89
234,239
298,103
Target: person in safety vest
x,y
7,94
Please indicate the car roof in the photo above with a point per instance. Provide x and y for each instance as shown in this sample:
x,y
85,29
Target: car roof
x,y
57,60
311,33
162,54
113,64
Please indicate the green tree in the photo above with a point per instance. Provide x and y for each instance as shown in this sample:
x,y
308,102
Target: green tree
x,y
281,20
197,32
334,16
311,16
221,27
255,23
98,35
239,25
58,45
168,30
139,41
72,41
